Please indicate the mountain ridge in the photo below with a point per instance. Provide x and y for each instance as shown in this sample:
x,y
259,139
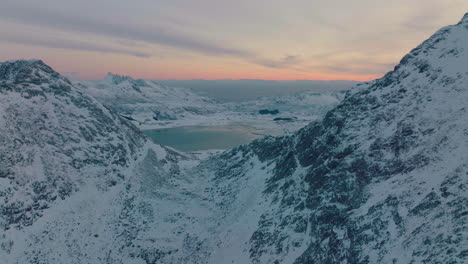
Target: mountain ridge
x,y
372,138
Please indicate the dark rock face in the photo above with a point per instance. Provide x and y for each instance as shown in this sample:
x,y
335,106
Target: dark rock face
x,y
268,112
34,72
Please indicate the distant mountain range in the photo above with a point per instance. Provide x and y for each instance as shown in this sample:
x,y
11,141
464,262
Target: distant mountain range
x,y
381,178
150,104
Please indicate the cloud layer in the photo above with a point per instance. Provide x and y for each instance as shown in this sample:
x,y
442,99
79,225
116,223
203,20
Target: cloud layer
x,y
81,24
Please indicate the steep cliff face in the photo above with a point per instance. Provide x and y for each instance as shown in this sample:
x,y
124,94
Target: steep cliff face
x,y
381,179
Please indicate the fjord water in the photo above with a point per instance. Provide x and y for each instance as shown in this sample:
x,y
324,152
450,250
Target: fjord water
x,y
194,138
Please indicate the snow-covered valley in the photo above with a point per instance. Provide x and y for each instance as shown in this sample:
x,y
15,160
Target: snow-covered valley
x,y
378,175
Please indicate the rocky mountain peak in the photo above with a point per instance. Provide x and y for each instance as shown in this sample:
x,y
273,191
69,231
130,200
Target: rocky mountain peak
x,y
27,71
117,79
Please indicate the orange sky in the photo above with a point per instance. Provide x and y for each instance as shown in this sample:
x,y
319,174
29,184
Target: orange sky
x,y
206,39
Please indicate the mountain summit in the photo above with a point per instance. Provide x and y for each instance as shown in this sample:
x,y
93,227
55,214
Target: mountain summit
x,y
382,178
26,71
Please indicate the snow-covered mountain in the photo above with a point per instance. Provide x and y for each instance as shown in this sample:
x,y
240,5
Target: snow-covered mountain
x,y
146,101
69,168
149,105
382,178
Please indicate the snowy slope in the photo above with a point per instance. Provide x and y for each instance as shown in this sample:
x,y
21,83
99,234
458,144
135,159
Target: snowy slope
x,y
285,114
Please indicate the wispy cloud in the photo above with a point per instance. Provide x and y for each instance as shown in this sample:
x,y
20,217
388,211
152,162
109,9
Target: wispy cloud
x,y
307,38
285,62
69,22
125,34
60,43
358,67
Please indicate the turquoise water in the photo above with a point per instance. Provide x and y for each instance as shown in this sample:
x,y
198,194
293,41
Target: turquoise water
x,y
194,138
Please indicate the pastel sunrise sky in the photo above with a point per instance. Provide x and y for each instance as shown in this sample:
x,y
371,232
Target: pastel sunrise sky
x,y
217,39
